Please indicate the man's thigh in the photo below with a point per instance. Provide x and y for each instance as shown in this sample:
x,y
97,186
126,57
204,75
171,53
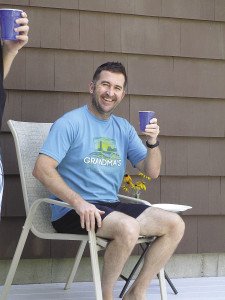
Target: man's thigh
x,y
154,221
119,217
113,224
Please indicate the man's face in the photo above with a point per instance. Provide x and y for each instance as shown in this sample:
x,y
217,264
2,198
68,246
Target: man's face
x,y
107,93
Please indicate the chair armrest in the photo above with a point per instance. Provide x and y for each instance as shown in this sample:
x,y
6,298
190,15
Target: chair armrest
x,y
56,202
34,208
37,202
129,199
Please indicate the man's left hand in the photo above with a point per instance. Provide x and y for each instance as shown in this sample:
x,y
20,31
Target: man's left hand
x,y
152,131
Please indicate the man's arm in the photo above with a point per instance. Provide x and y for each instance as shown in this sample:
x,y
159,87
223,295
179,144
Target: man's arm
x,y
152,163
45,171
11,48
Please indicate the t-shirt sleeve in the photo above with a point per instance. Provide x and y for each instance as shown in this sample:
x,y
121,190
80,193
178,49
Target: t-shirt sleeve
x,y
59,140
136,149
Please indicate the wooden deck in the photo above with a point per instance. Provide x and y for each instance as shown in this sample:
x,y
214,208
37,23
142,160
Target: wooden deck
x,y
207,288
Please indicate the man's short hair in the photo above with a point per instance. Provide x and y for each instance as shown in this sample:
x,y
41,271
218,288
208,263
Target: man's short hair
x,y
111,66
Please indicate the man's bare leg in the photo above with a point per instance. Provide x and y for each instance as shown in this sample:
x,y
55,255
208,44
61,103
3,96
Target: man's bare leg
x,y
169,228
124,232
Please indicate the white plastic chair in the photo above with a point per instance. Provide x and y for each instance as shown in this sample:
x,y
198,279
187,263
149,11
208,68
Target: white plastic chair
x,y
28,138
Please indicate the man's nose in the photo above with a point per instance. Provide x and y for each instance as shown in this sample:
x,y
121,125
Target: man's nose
x,y
110,92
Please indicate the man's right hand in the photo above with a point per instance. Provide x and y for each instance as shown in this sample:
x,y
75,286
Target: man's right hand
x,y
89,215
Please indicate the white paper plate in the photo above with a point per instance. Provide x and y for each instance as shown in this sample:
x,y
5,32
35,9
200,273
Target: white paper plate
x,y
172,207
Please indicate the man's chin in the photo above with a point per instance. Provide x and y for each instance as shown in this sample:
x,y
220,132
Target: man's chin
x,y
105,109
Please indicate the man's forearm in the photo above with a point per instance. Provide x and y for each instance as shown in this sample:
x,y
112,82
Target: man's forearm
x,y
152,163
8,57
57,186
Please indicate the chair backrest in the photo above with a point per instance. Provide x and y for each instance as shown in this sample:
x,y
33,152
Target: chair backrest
x,y
29,138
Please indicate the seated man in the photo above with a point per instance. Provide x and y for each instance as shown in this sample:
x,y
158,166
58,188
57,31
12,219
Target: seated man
x,y
83,161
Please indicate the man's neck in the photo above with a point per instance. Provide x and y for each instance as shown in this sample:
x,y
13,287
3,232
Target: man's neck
x,y
93,111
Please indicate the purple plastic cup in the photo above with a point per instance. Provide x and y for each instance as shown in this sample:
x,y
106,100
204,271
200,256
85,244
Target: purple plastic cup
x,y
144,118
7,20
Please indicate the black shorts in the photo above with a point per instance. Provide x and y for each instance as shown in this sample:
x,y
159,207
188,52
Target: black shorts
x,y
70,222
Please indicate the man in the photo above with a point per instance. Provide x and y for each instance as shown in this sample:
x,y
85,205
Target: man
x,y
8,51
83,162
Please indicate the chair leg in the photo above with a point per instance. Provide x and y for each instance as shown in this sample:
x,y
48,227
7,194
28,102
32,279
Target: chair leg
x,y
162,283
76,264
95,265
15,261
171,284
129,278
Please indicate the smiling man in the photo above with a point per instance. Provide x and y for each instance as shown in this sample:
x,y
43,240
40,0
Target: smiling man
x,y
83,161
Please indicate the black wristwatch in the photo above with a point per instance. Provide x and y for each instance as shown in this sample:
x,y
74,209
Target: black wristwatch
x,y
152,146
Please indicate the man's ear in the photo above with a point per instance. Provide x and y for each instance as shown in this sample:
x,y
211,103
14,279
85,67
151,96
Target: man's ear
x,y
91,87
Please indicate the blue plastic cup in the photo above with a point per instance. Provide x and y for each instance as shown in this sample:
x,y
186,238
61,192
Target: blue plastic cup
x,y
145,118
8,23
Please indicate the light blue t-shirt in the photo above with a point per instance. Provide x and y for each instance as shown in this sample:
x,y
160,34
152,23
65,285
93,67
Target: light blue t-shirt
x,y
92,154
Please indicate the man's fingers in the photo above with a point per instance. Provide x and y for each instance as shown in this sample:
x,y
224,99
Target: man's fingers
x,y
82,221
152,128
22,21
153,121
24,15
22,38
87,221
22,29
94,218
98,217
90,216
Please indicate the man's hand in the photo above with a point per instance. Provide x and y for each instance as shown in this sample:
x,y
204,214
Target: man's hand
x,y
89,215
152,131
22,37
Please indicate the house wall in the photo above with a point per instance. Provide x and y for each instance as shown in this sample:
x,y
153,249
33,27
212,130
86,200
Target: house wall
x,y
174,54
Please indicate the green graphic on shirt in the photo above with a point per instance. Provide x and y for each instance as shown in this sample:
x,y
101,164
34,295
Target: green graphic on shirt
x,y
105,148
105,153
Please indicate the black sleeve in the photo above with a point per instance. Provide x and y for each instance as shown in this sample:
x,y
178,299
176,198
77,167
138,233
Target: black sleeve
x,y
2,92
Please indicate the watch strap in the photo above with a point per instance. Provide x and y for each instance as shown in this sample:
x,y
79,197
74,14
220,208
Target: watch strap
x,y
152,146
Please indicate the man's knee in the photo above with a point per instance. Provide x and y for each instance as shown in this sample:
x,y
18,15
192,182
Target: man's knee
x,y
176,225
128,229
